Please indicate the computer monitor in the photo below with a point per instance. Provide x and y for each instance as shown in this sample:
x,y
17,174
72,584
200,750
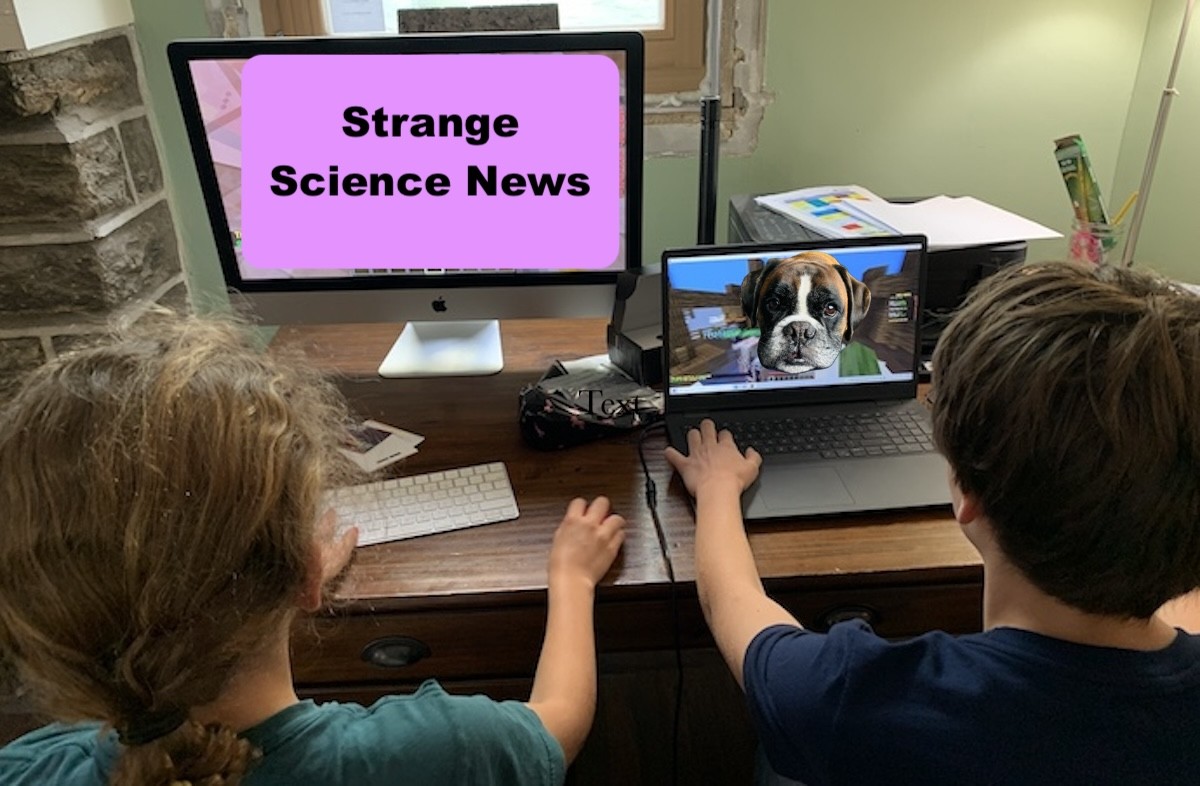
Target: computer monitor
x,y
451,312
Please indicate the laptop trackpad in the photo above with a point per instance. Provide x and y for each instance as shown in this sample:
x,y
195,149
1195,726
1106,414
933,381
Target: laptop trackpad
x,y
792,488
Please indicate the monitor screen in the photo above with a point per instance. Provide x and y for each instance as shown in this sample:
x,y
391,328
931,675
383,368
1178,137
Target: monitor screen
x,y
209,76
788,318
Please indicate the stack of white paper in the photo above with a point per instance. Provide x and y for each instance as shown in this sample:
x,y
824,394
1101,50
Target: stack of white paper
x,y
948,222
954,222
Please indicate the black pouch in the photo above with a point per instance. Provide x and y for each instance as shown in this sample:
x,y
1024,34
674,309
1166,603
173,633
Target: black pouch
x,y
556,416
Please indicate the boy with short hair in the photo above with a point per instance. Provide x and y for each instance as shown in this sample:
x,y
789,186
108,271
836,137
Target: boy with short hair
x,y
1067,403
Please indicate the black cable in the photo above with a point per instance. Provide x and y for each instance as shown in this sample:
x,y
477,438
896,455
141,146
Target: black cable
x,y
652,496
652,504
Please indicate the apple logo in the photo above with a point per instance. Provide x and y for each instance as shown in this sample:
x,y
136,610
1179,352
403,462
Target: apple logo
x,y
439,305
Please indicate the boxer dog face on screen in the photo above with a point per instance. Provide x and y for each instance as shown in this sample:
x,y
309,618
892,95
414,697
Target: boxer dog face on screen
x,y
806,308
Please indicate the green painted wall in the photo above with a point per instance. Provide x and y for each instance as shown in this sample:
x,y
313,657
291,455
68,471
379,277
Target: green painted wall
x,y
1170,234
945,97
919,97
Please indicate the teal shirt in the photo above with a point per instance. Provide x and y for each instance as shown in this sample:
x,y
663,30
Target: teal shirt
x,y
429,737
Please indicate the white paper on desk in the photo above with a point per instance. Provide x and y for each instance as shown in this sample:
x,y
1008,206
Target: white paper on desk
x,y
373,445
954,222
388,452
589,363
406,437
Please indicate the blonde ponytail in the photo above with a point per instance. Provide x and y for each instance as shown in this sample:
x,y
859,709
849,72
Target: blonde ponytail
x,y
157,510
192,753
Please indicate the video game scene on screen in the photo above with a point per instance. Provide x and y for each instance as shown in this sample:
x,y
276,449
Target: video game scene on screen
x,y
809,317
219,93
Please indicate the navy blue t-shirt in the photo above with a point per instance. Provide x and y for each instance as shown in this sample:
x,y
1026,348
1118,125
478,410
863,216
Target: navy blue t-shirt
x,y
1003,707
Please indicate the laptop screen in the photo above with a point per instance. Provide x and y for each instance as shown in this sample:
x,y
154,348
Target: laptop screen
x,y
815,316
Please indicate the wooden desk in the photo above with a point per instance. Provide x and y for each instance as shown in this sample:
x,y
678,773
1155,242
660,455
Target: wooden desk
x,y
477,597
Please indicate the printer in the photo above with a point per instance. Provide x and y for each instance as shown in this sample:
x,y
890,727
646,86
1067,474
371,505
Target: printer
x,y
951,273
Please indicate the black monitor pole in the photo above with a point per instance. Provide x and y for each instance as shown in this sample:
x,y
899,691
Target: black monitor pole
x,y
710,130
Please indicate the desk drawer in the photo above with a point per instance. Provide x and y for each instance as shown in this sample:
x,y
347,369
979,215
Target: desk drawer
x,y
444,644
486,644
457,643
894,612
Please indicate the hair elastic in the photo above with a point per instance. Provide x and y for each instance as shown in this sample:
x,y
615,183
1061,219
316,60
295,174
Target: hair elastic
x,y
151,726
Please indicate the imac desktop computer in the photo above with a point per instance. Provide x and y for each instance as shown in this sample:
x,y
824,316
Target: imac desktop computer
x,y
336,228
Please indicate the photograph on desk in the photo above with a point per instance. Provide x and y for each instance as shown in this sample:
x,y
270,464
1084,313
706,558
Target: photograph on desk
x,y
792,318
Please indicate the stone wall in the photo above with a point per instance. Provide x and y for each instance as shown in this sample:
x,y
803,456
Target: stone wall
x,y
86,235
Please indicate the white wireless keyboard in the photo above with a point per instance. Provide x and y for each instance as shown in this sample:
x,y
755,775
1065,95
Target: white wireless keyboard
x,y
400,508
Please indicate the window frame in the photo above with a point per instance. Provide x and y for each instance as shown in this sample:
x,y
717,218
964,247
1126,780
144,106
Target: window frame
x,y
294,17
675,53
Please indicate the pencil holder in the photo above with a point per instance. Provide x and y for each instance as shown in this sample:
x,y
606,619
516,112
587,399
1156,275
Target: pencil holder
x,y
1096,243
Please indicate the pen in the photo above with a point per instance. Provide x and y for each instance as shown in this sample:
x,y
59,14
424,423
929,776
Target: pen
x,y
1125,208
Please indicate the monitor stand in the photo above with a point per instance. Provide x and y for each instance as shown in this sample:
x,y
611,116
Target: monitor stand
x,y
445,349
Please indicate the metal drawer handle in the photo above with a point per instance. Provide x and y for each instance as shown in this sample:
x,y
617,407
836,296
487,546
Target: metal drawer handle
x,y
394,652
844,613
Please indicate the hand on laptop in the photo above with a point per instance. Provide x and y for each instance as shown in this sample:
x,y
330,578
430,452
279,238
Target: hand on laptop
x,y
714,459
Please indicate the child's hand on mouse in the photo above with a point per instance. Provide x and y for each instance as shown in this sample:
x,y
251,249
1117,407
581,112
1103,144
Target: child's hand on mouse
x,y
714,459
587,541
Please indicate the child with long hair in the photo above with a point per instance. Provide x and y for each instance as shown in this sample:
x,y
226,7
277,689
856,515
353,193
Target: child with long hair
x,y
162,523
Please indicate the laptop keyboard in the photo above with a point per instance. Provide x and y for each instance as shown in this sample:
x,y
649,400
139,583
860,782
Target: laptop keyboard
x,y
846,435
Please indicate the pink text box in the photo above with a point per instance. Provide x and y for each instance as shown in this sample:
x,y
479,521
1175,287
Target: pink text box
x,y
567,110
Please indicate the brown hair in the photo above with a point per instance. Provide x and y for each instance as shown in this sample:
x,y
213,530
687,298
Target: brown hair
x,y
158,500
1067,399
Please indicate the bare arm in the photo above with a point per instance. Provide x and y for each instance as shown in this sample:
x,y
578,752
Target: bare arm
x,y
564,687
731,592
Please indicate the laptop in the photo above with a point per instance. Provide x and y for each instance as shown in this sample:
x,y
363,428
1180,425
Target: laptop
x,y
808,352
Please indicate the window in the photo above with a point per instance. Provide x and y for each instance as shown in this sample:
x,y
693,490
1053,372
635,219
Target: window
x,y
674,29
572,14
675,63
